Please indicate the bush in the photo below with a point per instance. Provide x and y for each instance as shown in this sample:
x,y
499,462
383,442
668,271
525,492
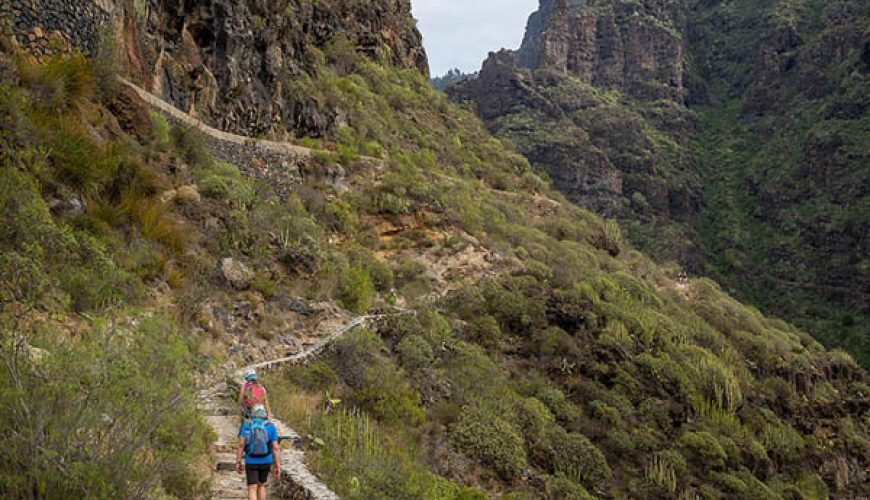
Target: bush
x,y
79,160
484,330
415,352
482,435
107,423
63,83
703,448
356,290
224,181
359,462
190,144
387,395
559,487
160,130
575,456
533,419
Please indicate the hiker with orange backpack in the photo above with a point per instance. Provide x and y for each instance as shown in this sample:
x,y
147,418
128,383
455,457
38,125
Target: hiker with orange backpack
x,y
251,394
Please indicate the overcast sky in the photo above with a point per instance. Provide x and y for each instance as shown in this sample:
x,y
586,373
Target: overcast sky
x,y
460,33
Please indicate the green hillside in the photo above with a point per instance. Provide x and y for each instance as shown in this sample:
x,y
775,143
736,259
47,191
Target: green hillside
x,y
552,361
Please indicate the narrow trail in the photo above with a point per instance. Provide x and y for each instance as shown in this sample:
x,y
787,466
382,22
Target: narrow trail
x,y
286,148
218,404
181,116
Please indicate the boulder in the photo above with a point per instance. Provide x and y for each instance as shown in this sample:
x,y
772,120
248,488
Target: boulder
x,y
188,195
235,273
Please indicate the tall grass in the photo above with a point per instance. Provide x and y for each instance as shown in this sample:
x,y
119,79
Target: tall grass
x,y
62,83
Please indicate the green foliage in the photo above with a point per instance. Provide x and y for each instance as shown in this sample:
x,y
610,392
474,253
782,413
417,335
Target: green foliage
x,y
575,456
161,130
75,262
356,290
359,463
61,83
484,330
704,447
376,384
415,352
561,487
80,161
224,181
74,401
483,435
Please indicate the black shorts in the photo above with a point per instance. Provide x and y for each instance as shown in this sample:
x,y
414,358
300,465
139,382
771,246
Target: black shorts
x,y
257,474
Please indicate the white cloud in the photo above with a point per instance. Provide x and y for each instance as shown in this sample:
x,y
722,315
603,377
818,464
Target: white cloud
x,y
460,33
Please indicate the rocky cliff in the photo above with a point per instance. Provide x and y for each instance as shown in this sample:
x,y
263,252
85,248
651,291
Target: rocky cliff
x,y
595,97
636,47
235,64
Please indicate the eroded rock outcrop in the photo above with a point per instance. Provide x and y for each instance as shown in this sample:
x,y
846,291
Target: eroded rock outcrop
x,y
636,47
239,66
595,96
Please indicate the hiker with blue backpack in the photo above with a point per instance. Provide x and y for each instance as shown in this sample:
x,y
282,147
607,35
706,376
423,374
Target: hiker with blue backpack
x,y
260,447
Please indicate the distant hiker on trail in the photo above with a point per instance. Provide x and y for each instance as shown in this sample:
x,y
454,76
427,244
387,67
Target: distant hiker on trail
x,y
253,393
259,445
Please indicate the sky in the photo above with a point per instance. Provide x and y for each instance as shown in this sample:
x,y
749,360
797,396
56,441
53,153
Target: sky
x,y
460,33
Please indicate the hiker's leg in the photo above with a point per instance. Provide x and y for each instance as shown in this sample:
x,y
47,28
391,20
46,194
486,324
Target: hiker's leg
x,y
261,492
252,492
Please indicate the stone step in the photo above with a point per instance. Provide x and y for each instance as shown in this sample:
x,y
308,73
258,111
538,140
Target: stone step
x,y
225,462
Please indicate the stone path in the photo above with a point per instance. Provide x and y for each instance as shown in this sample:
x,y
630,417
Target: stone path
x,y
218,405
182,117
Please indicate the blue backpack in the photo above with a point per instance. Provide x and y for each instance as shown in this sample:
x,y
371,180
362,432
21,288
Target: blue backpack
x,y
257,440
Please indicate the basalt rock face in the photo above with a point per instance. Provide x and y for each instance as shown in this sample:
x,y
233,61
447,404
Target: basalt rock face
x,y
237,64
636,47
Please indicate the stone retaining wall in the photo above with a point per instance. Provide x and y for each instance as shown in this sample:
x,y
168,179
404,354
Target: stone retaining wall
x,y
281,169
277,163
45,27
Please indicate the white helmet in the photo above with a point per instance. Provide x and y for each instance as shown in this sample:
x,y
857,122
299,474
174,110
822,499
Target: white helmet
x,y
251,374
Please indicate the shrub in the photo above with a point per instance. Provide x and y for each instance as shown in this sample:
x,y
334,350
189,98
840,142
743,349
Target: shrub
x,y
105,383
359,462
160,130
62,83
415,352
224,181
156,221
703,448
575,456
190,144
379,272
387,395
559,487
79,160
532,418
484,330
356,290
782,442
482,435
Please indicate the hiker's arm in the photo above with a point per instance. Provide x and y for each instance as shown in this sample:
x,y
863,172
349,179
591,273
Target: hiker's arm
x,y
240,450
241,396
276,454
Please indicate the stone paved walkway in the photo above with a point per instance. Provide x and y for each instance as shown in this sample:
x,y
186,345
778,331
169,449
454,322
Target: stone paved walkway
x,y
218,405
